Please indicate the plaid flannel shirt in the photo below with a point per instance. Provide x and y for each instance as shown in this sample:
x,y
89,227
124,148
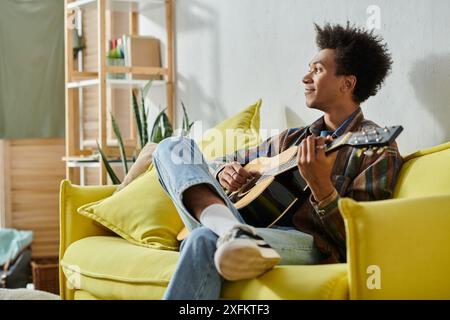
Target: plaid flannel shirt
x,y
355,175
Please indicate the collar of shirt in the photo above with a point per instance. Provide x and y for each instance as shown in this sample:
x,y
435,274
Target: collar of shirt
x,y
317,127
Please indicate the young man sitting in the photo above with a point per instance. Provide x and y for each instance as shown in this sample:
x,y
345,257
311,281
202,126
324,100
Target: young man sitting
x,y
350,66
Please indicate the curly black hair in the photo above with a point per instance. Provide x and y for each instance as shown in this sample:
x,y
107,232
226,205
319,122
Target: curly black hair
x,y
359,53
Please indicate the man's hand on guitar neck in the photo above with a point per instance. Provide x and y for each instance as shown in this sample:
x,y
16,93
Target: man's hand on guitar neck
x,y
233,176
316,167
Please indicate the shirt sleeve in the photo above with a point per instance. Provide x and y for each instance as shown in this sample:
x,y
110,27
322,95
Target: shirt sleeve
x,y
375,182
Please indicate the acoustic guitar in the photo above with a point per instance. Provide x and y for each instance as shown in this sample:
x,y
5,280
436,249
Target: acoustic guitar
x,y
273,196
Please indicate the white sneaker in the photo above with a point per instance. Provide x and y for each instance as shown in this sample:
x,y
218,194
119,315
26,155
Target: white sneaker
x,y
241,254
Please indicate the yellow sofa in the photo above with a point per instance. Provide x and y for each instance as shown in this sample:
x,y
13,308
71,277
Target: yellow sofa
x,y
396,248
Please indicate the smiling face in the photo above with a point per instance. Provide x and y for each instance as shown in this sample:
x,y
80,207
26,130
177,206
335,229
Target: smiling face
x,y
323,89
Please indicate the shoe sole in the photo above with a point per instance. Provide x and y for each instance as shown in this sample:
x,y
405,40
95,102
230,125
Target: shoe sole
x,y
243,259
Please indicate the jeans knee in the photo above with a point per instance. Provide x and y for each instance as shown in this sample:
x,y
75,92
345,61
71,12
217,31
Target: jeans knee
x,y
203,239
165,147
179,150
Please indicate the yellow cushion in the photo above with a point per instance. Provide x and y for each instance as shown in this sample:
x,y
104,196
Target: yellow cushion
x,y
83,295
140,213
237,132
143,214
425,173
397,249
112,268
315,282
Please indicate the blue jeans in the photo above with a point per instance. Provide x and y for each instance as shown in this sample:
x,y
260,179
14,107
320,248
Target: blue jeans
x,y
180,165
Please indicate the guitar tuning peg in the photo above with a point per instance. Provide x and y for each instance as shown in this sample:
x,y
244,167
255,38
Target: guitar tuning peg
x,y
377,136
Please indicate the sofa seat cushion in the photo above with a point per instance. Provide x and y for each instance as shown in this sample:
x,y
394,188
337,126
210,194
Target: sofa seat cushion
x,y
309,282
113,268
83,295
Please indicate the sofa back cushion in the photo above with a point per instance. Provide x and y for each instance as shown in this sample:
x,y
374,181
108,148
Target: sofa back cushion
x,y
234,133
425,173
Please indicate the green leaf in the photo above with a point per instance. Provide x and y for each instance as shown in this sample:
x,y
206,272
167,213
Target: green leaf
x,y
162,128
185,119
144,112
144,119
109,169
186,124
157,134
168,129
123,155
137,117
147,88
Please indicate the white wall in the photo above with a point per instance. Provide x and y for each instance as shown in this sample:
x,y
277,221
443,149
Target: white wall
x,y
229,53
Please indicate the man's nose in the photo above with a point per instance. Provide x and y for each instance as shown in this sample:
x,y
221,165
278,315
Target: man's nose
x,y
307,78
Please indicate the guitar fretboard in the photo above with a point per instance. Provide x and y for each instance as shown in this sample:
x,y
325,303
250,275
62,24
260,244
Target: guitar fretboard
x,y
280,169
336,144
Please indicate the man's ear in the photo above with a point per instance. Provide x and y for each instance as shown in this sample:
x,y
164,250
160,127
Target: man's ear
x,y
348,84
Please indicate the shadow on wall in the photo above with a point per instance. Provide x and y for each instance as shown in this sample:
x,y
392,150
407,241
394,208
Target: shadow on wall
x,y
200,105
190,18
195,17
430,78
293,120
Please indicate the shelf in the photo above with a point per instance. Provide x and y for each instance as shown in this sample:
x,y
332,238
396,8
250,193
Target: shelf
x,y
83,75
92,143
115,83
91,162
91,158
82,83
116,5
132,84
151,71
80,3
86,79
94,164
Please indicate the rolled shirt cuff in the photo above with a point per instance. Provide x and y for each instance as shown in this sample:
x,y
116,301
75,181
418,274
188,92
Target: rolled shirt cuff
x,y
326,204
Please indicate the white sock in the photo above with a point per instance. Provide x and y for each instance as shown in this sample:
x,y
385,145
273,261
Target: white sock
x,y
218,218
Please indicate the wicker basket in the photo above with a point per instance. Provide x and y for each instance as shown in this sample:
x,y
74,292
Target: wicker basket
x,y
45,275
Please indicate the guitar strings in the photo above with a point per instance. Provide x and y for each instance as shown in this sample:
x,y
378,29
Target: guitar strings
x,y
275,171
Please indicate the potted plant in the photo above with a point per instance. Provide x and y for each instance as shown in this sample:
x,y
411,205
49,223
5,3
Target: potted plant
x,y
161,129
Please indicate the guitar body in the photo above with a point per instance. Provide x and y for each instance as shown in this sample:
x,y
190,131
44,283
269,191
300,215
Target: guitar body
x,y
273,199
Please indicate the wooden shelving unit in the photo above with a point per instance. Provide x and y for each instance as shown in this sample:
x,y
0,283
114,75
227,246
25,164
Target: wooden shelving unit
x,y
84,82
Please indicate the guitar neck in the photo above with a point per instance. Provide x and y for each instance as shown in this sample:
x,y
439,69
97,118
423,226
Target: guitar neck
x,y
292,163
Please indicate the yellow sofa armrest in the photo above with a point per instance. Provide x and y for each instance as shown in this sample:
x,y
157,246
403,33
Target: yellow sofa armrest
x,y
74,226
398,249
